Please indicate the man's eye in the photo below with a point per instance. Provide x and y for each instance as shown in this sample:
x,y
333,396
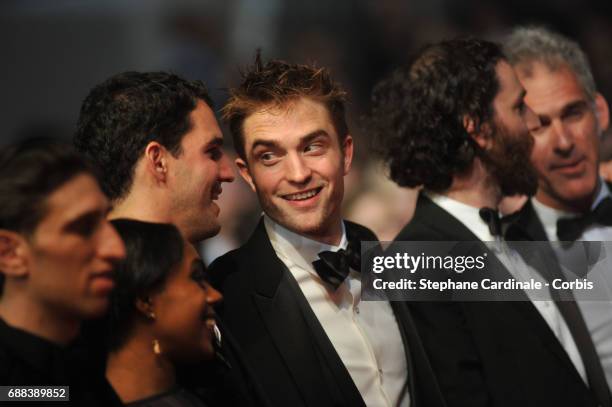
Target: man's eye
x,y
85,226
574,114
215,153
268,158
313,148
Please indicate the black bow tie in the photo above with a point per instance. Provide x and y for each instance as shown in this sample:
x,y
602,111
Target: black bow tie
x,y
570,229
333,267
491,218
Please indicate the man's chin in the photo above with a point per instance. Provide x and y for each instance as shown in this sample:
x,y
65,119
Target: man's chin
x,y
204,233
578,191
300,224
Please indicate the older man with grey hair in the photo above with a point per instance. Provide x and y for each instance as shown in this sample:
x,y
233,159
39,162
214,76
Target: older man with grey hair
x,y
572,202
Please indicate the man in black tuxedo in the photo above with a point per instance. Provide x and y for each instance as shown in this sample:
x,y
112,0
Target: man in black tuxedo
x,y
292,292
572,202
454,121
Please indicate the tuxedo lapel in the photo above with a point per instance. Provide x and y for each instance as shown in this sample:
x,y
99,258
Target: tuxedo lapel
x,y
427,392
432,215
310,357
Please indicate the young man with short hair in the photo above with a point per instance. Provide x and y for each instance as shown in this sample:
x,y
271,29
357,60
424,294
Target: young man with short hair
x,y
57,256
155,138
292,293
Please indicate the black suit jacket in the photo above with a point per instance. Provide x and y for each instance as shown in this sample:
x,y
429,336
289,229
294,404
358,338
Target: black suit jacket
x,y
283,340
490,353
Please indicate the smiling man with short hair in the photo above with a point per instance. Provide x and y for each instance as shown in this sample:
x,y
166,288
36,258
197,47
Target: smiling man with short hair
x,y
293,291
155,138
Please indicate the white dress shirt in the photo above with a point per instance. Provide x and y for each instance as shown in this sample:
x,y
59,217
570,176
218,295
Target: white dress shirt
x,y
521,271
364,334
597,314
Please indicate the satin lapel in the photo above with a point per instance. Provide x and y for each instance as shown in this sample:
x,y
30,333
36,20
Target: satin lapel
x,y
545,262
310,358
336,371
415,356
431,214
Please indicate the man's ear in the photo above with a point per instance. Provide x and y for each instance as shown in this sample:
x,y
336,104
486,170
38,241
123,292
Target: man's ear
x,y
479,132
347,149
603,112
13,254
243,169
156,160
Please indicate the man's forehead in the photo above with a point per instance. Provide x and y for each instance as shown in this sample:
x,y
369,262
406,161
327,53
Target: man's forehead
x,y
551,87
532,73
508,80
75,197
201,135
301,117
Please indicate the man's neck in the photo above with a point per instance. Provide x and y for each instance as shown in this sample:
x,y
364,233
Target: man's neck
x,y
333,238
37,319
141,207
475,188
331,235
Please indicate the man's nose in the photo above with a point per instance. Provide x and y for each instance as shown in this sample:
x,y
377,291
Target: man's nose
x,y
226,170
111,245
297,170
563,138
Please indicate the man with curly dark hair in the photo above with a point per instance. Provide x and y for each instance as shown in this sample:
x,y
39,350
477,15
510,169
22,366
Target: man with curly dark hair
x,y
292,293
155,139
455,122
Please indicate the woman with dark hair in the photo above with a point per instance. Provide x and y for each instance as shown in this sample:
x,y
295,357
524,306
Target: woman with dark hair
x,y
161,316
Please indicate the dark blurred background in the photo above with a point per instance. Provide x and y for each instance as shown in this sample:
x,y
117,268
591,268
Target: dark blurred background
x,y
54,51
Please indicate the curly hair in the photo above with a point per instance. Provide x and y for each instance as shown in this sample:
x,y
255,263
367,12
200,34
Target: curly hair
x,y
276,83
418,111
123,114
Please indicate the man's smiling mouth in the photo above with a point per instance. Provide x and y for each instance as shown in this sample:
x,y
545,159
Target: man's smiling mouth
x,y
302,196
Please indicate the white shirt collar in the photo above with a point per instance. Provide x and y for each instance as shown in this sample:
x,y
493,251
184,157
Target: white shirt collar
x,y
295,249
603,193
466,214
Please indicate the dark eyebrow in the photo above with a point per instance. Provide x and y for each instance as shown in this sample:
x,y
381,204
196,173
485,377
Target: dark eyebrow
x,y
217,141
88,217
303,140
578,104
311,136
